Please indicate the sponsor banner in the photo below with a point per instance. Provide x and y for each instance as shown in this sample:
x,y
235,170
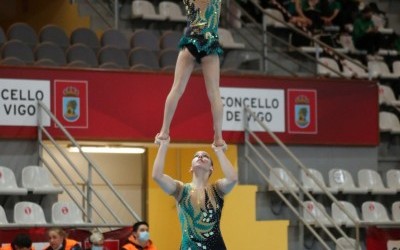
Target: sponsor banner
x,y
383,238
267,104
71,103
19,101
302,111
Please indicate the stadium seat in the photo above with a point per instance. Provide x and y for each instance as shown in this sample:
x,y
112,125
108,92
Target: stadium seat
x,y
55,34
168,59
396,211
352,69
172,11
278,178
3,217
26,212
313,212
45,63
48,50
8,184
24,33
271,22
143,9
372,180
327,66
380,69
115,38
143,56
393,179
170,39
386,96
37,180
78,64
85,36
226,40
12,61
373,211
114,55
145,39
344,244
396,68
310,185
3,37
66,213
81,52
389,122
19,50
341,217
343,181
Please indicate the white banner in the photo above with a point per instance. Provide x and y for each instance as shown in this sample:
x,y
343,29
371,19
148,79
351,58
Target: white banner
x,y
393,245
18,101
267,104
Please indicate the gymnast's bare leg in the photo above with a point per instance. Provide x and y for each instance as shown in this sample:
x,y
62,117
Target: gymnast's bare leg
x,y
184,67
211,73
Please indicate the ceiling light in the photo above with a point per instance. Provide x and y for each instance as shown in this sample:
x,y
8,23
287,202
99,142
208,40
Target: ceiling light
x,y
108,149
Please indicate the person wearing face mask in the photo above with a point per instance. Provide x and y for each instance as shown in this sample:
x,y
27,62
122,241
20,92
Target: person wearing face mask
x,y
58,240
199,202
20,242
140,238
96,241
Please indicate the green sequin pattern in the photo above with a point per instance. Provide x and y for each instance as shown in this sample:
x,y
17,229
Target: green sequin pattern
x,y
202,30
200,226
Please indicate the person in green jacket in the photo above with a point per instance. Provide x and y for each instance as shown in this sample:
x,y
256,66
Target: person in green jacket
x,y
365,34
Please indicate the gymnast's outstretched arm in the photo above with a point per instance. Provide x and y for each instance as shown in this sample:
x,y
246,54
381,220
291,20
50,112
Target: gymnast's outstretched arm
x,y
164,181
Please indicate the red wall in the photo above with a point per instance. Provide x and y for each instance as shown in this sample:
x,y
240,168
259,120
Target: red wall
x,y
128,106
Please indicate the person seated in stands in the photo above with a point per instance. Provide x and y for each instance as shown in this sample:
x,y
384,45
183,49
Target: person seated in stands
x,y
308,14
365,34
349,11
20,242
96,241
331,13
58,240
378,17
140,238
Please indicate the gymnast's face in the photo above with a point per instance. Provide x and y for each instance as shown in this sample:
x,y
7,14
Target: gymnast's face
x,y
201,160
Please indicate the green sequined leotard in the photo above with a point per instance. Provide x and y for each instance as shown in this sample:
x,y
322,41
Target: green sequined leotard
x,y
200,225
202,28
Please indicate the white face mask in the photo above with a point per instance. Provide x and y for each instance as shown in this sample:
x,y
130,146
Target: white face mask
x,y
144,236
97,248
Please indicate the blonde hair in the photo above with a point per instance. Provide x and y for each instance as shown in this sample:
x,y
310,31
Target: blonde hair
x,y
96,237
59,231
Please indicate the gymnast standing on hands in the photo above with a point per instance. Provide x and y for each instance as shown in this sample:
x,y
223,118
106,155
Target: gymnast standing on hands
x,y
199,44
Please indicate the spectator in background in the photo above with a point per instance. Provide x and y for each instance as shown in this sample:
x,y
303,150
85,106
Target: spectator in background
x,y
378,17
349,11
20,242
331,14
365,34
58,240
140,238
96,241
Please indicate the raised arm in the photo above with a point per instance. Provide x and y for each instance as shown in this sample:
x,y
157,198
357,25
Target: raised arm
x,y
164,181
231,177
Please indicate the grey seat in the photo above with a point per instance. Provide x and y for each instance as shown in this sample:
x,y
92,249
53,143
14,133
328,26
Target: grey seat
x,y
86,36
3,37
19,50
55,34
12,61
49,50
114,55
81,52
145,39
168,59
45,62
115,38
78,64
24,33
170,39
144,57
